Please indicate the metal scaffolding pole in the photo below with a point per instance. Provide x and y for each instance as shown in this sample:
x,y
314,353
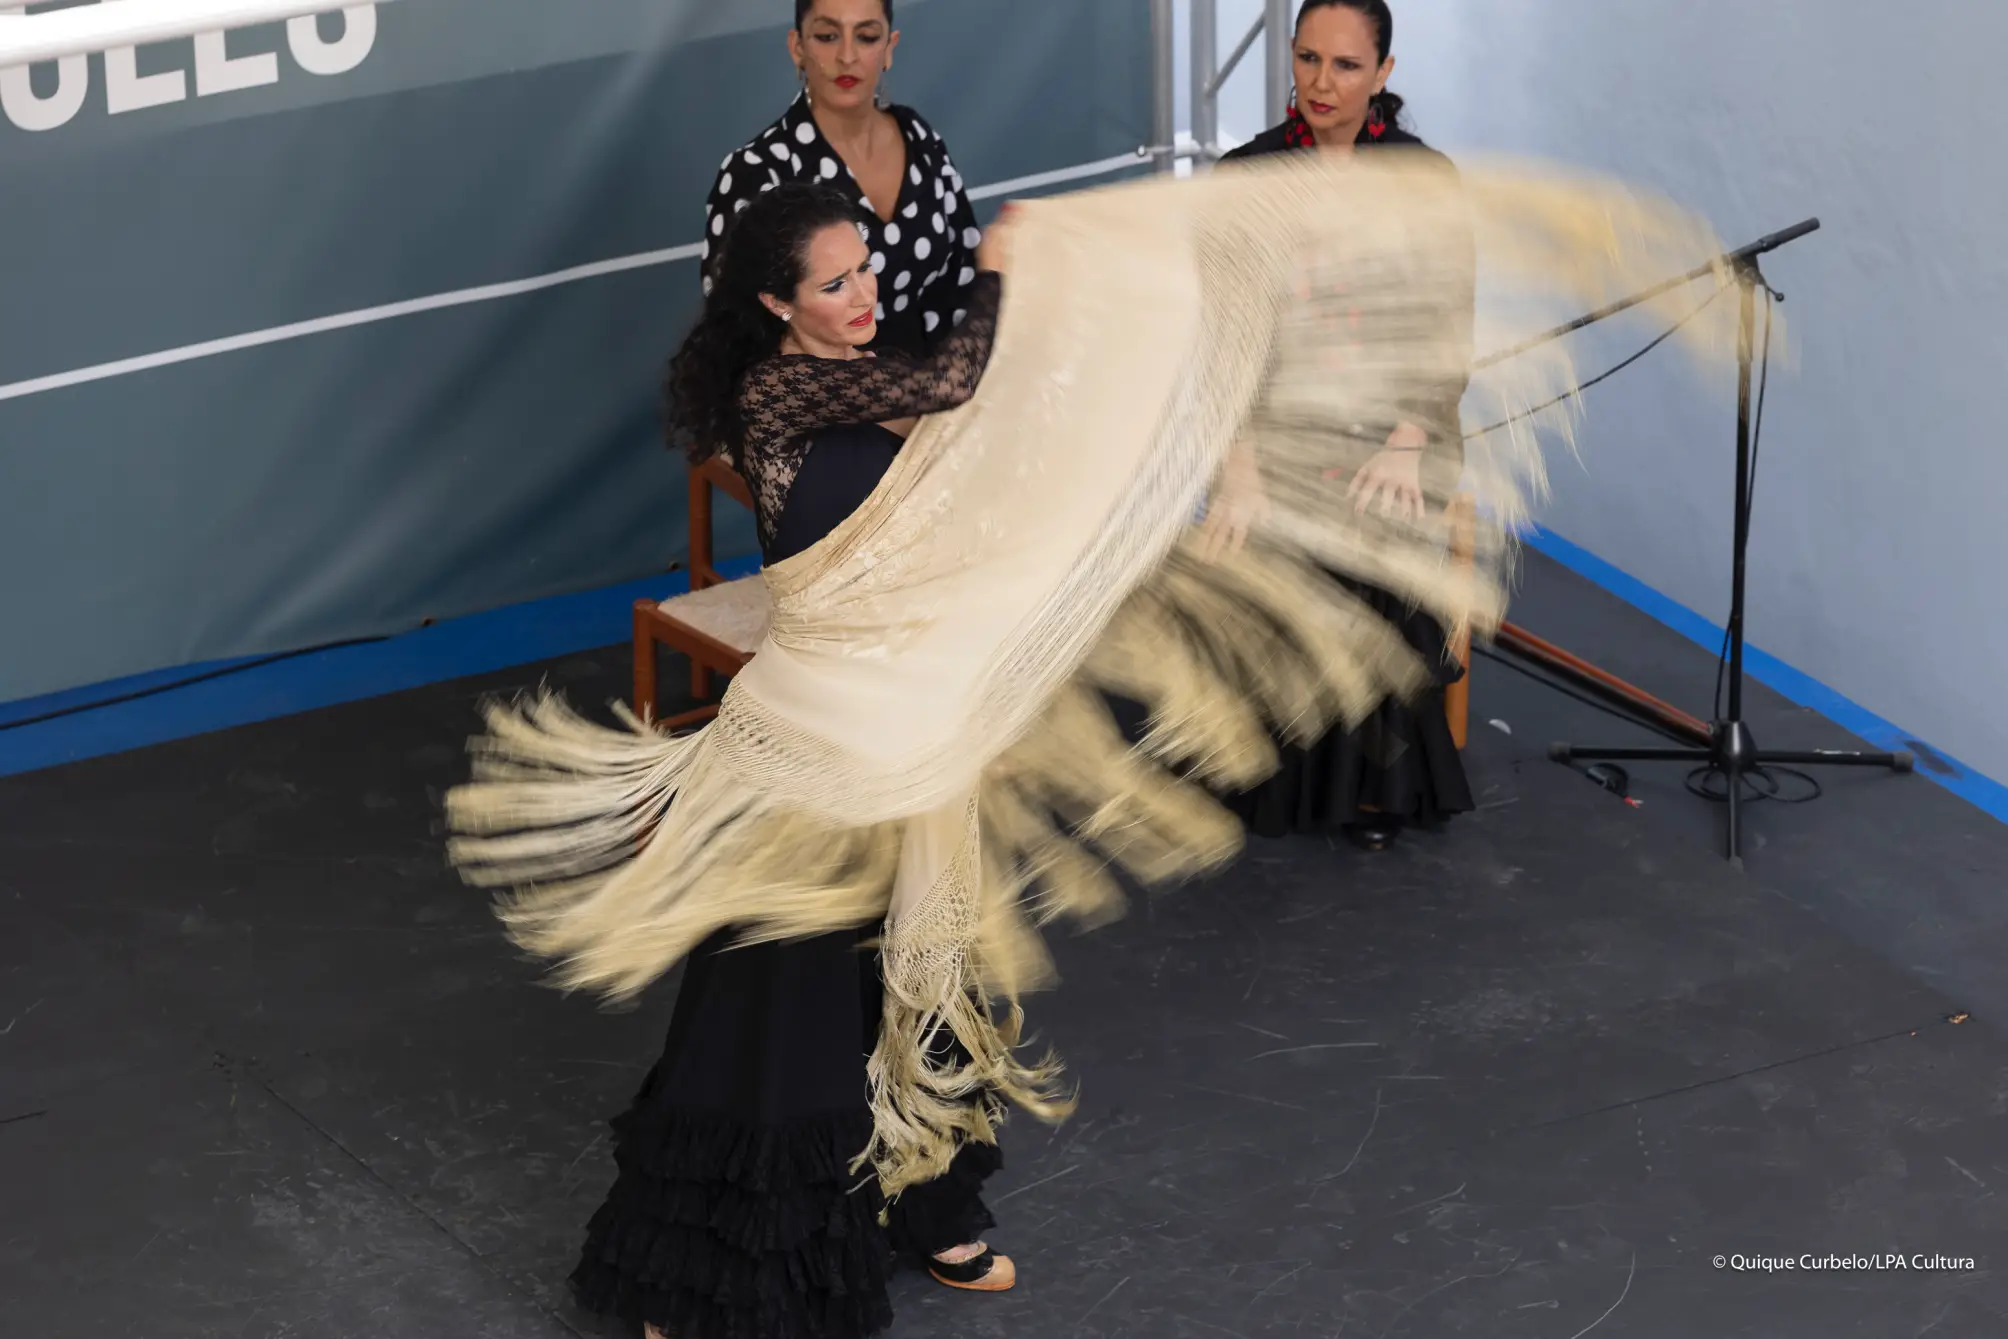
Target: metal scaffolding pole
x,y
1279,31
1164,66
1205,94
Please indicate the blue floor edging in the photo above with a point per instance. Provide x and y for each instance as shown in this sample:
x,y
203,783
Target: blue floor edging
x,y
527,633
1981,791
477,644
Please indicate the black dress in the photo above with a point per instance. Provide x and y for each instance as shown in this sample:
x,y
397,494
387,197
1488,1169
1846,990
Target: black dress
x,y
735,1214
1401,763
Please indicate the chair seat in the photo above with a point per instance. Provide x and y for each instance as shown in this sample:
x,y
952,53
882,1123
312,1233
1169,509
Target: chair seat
x,y
735,613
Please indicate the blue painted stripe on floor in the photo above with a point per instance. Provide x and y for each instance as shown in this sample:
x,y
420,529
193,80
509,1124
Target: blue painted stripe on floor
x,y
478,644
1796,686
527,633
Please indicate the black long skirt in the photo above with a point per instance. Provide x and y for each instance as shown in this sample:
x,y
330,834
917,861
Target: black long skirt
x,y
734,1213
1400,762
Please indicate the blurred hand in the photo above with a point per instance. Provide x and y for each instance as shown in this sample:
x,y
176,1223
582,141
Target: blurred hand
x,y
1392,478
1238,506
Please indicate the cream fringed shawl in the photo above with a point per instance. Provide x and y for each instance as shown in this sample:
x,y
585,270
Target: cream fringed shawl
x,y
922,738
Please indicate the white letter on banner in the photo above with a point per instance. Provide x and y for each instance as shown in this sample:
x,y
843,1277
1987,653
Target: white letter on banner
x,y
359,26
127,91
30,112
217,72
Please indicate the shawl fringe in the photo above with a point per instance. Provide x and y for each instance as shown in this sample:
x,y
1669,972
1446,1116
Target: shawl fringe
x,y
1301,310
569,815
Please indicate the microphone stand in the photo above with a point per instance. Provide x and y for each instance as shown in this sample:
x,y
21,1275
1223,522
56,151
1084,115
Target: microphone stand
x,y
1725,746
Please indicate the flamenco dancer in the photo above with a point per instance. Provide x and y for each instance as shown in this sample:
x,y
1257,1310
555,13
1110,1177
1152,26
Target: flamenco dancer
x,y
969,552
1400,766
735,1212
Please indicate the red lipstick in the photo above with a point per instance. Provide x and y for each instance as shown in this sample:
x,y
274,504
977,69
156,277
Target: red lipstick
x,y
848,81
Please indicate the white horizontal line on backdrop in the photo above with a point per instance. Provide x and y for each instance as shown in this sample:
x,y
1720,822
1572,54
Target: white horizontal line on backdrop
x,y
146,362
27,39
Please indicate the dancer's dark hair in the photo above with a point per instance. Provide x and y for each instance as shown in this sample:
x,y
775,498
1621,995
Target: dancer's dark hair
x,y
802,8
765,251
1382,18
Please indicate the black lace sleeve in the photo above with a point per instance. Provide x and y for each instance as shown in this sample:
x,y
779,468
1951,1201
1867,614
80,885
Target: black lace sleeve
x,y
785,400
785,397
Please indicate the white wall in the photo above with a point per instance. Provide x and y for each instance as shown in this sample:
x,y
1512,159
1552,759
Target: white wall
x,y
1875,563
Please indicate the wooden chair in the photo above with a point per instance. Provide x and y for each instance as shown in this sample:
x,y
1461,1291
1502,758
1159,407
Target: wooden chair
x,y
717,624
1457,696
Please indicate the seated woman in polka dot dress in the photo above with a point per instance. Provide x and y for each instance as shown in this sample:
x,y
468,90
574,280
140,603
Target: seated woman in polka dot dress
x,y
919,224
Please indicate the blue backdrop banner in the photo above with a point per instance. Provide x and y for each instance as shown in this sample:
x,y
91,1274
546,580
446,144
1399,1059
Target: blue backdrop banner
x,y
321,330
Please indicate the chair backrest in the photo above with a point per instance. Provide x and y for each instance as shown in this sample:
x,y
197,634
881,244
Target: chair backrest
x,y
712,474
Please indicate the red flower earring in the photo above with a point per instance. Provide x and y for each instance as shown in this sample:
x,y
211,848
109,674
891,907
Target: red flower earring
x,y
1376,118
1296,131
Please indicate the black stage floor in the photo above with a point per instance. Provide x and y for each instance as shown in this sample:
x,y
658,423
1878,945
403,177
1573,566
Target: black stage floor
x,y
269,1070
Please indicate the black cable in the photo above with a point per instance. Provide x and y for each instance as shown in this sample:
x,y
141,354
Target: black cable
x,y
1697,784
1577,695
1607,373
1721,671
207,675
1542,679
1697,780
172,685
1757,423
1749,485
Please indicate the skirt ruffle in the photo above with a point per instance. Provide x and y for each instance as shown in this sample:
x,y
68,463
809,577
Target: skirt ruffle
x,y
947,1212
720,1230
1401,761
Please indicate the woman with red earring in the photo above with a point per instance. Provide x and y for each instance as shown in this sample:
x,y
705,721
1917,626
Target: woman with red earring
x,y
1400,767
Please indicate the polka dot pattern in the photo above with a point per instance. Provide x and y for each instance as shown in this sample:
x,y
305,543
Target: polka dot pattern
x,y
932,221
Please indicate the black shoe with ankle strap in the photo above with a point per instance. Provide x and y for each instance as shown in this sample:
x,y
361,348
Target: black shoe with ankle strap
x,y
1376,832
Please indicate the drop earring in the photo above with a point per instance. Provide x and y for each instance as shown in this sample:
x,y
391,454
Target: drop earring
x,y
1296,130
879,98
1376,117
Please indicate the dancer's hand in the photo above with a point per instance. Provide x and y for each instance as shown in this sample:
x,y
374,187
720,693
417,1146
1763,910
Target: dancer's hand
x,y
1393,476
1238,506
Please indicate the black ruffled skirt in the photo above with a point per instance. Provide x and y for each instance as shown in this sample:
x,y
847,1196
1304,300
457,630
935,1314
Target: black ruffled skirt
x,y
734,1213
1400,761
